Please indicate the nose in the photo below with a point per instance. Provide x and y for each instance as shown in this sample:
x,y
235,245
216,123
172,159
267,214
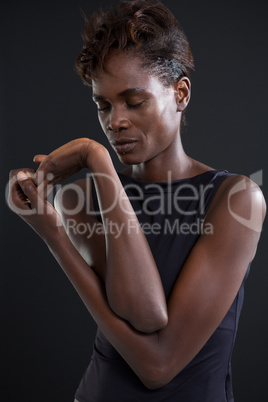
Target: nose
x,y
117,120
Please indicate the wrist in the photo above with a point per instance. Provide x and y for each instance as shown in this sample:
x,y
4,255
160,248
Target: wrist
x,y
56,238
96,157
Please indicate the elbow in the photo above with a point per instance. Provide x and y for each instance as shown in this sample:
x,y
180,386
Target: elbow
x,y
147,319
154,385
156,377
160,367
149,322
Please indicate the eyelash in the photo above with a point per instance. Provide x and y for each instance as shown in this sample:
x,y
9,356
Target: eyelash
x,y
104,109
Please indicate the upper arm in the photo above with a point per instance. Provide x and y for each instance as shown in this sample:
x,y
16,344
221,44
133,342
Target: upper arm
x,y
74,203
88,236
212,274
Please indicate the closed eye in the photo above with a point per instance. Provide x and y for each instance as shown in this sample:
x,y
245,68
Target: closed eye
x,y
129,105
103,109
134,105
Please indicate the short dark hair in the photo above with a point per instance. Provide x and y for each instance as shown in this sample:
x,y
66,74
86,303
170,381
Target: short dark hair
x,y
144,28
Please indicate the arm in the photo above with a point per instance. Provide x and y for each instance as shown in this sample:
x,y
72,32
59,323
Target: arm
x,y
201,297
130,266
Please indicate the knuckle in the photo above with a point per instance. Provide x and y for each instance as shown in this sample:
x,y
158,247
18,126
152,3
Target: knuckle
x,y
13,173
29,185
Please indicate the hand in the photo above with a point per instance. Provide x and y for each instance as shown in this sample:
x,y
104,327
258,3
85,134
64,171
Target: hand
x,y
60,164
24,200
66,161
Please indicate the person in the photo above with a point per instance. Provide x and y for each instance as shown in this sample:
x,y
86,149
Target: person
x,y
158,252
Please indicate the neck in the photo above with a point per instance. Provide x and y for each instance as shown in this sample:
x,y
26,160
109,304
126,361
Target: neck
x,y
172,165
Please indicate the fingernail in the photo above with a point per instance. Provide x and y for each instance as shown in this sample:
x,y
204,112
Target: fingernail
x,y
22,176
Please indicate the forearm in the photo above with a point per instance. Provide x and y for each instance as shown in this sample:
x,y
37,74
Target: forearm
x,y
133,284
130,269
42,217
141,351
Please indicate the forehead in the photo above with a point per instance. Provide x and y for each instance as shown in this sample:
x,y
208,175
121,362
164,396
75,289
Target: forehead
x,y
123,72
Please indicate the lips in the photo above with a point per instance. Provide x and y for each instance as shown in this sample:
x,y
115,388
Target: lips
x,y
123,145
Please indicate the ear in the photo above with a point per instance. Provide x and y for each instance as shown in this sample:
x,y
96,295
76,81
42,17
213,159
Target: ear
x,y
182,93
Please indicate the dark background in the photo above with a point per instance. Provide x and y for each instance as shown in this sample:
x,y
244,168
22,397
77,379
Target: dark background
x,y
46,332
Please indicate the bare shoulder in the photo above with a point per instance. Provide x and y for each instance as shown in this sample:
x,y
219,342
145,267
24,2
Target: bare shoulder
x,y
237,213
242,197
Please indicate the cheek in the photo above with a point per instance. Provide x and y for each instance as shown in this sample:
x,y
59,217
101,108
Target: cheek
x,y
151,121
162,130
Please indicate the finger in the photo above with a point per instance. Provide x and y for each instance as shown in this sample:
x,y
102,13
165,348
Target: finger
x,y
28,188
39,158
44,181
44,178
14,190
43,172
17,201
29,172
45,188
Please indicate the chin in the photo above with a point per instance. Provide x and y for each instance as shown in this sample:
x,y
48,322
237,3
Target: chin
x,y
129,159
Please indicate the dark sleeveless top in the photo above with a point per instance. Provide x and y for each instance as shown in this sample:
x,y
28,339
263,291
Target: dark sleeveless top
x,y
170,214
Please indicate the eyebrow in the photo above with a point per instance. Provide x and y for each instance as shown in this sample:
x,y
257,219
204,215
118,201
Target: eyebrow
x,y
120,94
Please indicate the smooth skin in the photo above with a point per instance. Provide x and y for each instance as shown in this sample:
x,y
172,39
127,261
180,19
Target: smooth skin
x,y
124,294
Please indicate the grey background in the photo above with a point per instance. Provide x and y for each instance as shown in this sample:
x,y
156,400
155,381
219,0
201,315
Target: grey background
x,y
46,332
